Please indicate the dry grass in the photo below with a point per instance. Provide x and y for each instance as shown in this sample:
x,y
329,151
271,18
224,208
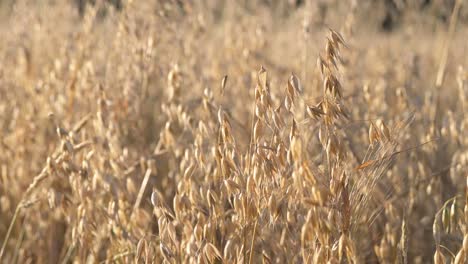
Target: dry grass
x,y
153,134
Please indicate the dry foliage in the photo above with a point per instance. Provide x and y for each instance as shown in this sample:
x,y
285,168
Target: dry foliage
x,y
151,134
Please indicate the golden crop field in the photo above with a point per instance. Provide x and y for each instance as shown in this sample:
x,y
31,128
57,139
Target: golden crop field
x,y
266,131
